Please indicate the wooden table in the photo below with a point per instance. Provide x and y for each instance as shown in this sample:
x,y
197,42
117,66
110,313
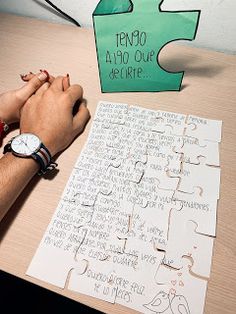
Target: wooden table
x,y
208,91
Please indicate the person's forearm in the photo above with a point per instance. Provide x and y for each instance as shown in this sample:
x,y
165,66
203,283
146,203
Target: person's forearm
x,y
15,174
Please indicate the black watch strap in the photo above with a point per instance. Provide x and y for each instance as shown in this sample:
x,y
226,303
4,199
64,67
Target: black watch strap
x,y
7,147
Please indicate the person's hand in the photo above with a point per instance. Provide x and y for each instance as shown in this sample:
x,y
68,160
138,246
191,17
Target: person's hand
x,y
12,102
48,114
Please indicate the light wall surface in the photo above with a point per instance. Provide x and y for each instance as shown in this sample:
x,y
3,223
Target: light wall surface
x,y
216,31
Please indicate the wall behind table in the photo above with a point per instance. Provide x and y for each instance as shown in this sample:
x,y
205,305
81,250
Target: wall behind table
x,y
216,31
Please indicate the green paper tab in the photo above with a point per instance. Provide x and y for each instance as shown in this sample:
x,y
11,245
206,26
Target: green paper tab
x,y
129,37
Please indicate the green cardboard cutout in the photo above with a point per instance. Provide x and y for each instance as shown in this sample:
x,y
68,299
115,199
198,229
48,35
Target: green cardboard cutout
x,y
129,37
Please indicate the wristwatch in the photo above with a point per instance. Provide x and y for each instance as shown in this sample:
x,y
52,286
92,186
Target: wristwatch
x,y
28,145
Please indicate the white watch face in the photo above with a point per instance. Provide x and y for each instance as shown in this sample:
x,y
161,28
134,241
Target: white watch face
x,y
25,144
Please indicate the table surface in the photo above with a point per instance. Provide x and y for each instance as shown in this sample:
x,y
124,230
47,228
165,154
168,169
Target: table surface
x,y
208,91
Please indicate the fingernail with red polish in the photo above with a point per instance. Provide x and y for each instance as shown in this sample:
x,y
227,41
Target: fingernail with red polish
x,y
23,77
43,76
68,77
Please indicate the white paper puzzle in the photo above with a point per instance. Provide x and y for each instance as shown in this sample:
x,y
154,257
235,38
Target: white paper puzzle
x,y
136,222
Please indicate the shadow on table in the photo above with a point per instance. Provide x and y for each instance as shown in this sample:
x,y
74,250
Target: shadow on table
x,y
17,295
191,65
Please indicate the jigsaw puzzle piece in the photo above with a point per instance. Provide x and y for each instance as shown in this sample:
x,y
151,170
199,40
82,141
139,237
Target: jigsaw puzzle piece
x,y
123,278
204,177
117,137
169,143
107,229
55,273
138,118
136,151
199,209
97,164
69,231
141,195
148,208
149,225
162,147
116,281
192,151
90,177
204,129
183,240
95,281
118,234
103,143
111,113
60,242
84,186
169,122
150,217
90,174
69,222
142,45
162,159
177,291
134,169
141,283
158,167
128,149
126,182
156,121
107,216
101,136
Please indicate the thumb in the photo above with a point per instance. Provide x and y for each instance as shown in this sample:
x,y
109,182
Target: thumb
x,y
32,85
